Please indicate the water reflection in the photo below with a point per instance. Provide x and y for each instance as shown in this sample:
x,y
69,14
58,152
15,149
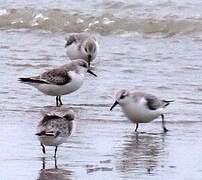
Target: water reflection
x,y
53,173
141,152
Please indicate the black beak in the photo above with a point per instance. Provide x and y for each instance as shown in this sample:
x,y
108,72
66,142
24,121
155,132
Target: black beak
x,y
89,60
91,72
66,45
89,64
115,103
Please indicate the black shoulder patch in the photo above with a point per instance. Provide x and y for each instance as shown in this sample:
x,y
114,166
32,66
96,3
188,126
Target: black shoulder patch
x,y
153,103
70,40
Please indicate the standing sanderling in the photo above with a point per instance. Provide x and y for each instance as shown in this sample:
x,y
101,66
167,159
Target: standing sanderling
x,y
60,81
81,46
53,130
140,107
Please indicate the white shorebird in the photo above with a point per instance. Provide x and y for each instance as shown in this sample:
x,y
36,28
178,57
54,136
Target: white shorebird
x,y
81,46
60,81
140,107
53,130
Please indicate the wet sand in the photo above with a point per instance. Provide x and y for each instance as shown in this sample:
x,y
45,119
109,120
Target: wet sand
x,y
101,149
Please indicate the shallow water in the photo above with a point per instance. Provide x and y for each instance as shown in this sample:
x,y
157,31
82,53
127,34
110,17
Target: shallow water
x,y
154,47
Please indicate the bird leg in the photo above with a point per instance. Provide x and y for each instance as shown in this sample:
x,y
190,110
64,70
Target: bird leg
x,y
43,148
136,127
60,101
56,148
57,101
44,163
56,164
163,124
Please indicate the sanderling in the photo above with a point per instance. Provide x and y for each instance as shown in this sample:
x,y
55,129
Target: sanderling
x,y
53,130
140,107
81,46
60,81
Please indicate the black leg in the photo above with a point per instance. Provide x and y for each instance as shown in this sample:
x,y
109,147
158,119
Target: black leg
x,y
59,98
43,148
56,148
56,163
163,124
57,103
44,163
136,127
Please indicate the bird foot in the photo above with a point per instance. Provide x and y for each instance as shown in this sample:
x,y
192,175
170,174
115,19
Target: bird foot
x,y
165,130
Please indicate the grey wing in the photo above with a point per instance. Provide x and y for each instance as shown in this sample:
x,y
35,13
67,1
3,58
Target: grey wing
x,y
56,76
62,128
48,126
153,102
47,118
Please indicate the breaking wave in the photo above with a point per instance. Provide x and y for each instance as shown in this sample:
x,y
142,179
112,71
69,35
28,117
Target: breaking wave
x,y
60,20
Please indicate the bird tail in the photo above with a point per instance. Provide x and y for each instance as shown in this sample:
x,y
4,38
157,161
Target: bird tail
x,y
43,133
167,102
31,80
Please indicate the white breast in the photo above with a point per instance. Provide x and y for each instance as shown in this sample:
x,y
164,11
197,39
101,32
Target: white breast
x,y
52,141
73,52
139,113
58,90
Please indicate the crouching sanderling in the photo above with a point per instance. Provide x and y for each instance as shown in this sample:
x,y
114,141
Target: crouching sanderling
x,y
81,46
54,130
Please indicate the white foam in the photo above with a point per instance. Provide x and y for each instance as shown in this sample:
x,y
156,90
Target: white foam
x,y
38,18
79,20
93,23
107,21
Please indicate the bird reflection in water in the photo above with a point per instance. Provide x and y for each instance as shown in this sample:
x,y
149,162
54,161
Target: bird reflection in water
x,y
141,153
53,173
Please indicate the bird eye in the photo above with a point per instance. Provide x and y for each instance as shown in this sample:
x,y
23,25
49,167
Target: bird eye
x,y
86,49
122,96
